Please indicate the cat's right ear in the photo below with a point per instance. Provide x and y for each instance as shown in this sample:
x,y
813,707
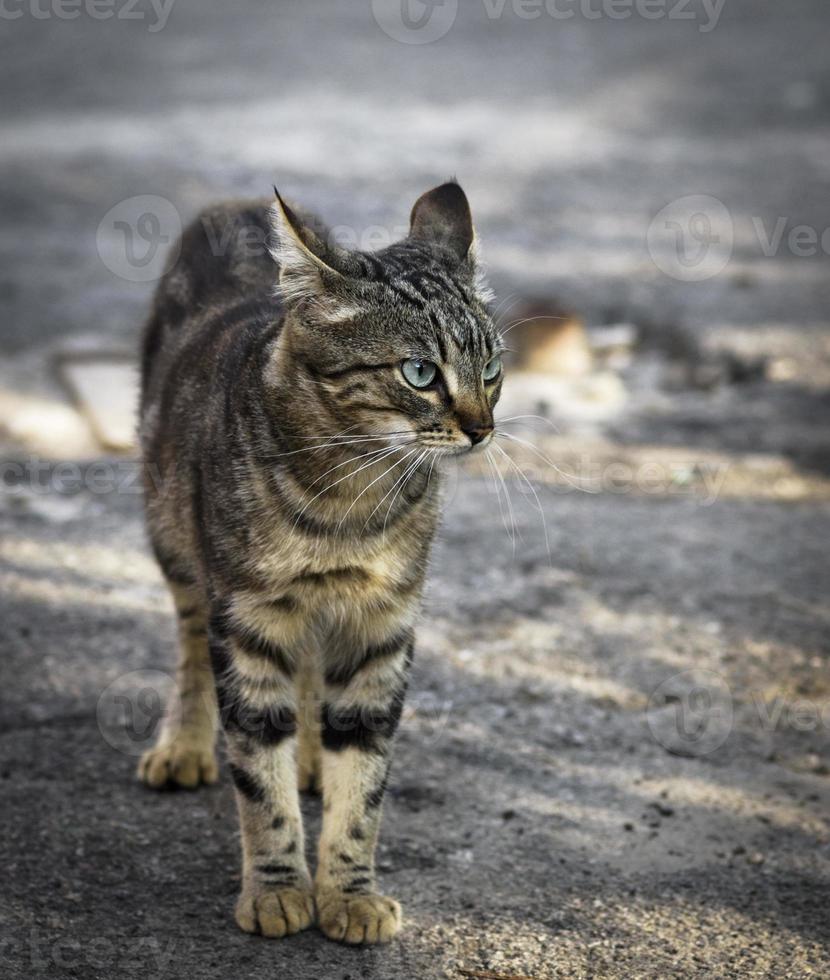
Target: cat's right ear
x,y
307,264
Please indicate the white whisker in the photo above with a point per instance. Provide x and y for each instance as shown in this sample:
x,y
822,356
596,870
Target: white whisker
x,y
332,445
352,459
408,474
509,503
497,488
530,319
532,489
370,485
380,502
568,476
361,435
538,418
376,459
431,466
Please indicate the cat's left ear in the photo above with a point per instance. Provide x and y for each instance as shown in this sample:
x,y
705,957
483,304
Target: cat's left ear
x,y
309,266
442,217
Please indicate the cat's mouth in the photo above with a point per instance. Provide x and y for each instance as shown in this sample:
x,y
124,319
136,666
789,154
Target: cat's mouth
x,y
454,448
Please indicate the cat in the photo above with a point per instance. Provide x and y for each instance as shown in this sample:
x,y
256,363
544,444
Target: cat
x,y
294,403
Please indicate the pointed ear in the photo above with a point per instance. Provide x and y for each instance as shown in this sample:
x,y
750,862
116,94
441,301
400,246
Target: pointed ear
x,y
306,263
442,216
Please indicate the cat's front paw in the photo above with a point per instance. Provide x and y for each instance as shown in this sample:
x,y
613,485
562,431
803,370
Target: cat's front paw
x,y
275,913
358,919
178,763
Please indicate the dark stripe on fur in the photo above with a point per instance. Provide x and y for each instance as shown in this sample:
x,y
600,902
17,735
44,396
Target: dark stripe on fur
x,y
331,576
367,729
341,674
175,569
357,885
248,785
375,797
276,869
257,646
285,603
352,369
269,726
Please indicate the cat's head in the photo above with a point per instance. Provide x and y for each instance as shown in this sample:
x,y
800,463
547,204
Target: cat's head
x,y
394,341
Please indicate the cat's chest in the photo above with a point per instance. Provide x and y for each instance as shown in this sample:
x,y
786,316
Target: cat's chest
x,y
316,568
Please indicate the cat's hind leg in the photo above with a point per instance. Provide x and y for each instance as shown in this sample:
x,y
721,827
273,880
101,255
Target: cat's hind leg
x,y
185,754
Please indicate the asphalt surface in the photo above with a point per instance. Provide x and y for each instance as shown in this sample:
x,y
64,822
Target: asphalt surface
x,y
615,761
551,813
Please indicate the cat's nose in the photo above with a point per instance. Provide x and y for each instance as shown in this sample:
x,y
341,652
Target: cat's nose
x,y
476,433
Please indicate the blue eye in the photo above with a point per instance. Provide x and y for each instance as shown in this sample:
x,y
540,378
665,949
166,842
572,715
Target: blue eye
x,y
419,373
492,369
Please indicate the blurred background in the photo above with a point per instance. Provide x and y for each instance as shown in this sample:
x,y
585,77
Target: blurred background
x,y
617,751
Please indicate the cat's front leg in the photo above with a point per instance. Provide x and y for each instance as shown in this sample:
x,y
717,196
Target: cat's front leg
x,y
365,685
258,706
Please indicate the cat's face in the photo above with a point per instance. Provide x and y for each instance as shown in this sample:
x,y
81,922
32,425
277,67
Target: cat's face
x,y
397,342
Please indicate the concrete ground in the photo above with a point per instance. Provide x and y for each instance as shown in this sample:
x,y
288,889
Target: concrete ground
x,y
560,806
615,758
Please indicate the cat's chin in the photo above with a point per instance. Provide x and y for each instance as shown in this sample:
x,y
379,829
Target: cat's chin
x,y
459,450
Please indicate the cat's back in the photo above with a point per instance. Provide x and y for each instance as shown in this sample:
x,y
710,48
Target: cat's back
x,y
221,277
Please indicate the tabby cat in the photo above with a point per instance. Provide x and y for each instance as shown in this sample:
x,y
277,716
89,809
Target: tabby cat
x,y
292,415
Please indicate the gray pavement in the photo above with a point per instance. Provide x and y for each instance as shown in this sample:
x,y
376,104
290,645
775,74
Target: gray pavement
x,y
549,815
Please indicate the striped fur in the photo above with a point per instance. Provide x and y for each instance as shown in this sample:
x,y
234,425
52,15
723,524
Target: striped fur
x,y
294,500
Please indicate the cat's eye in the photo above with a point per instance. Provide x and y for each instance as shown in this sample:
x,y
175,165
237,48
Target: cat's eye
x,y
492,369
418,372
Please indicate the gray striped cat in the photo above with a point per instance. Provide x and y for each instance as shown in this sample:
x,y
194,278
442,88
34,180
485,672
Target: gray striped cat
x,y
292,415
